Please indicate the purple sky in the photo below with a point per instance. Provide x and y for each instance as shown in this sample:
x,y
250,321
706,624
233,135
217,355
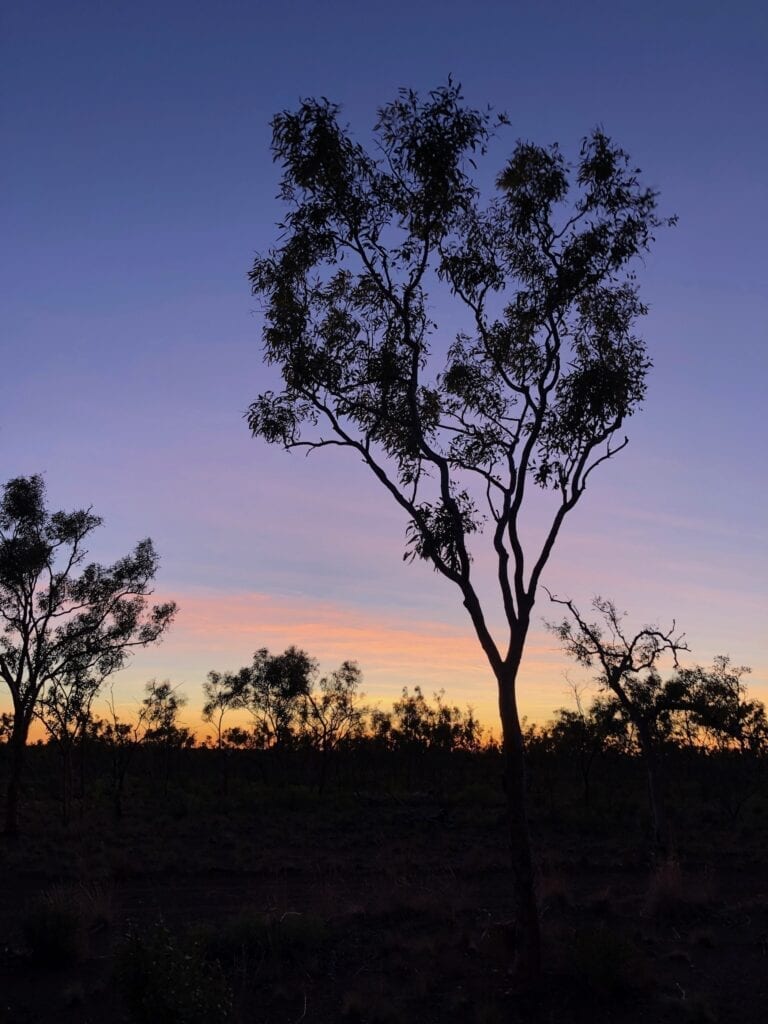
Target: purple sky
x,y
136,186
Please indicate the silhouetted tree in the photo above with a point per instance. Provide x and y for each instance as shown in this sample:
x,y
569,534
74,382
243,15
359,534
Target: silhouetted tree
x,y
239,738
715,699
63,620
272,690
330,713
534,388
627,669
711,709
64,708
161,708
581,733
221,695
414,722
122,739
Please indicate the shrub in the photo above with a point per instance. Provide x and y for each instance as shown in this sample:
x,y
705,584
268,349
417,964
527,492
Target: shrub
x,y
56,924
673,897
604,963
266,937
163,980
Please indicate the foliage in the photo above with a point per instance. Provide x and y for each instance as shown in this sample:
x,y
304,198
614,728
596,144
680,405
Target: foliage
x,y
56,924
67,624
539,386
414,722
219,697
713,706
161,979
6,727
330,713
271,690
287,702
160,712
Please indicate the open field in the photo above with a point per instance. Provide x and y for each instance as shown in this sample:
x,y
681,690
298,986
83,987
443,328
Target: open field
x,y
267,903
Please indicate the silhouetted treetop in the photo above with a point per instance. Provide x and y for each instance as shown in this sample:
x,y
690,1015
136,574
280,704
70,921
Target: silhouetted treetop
x,y
65,623
551,369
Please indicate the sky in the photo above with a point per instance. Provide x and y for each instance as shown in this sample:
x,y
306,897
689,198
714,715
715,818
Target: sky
x,y
136,186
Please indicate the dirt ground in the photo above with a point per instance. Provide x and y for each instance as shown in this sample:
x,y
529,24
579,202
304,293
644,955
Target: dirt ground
x,y
376,910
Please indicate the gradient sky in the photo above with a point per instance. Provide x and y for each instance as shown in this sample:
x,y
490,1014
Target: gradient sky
x,y
136,185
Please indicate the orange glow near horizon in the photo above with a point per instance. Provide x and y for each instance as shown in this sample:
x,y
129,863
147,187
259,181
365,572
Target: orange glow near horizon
x,y
221,631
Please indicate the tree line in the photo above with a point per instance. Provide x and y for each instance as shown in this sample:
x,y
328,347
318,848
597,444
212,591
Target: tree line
x,y
69,625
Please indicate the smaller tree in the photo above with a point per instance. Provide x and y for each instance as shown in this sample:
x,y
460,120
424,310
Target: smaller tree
x,y
713,710
331,713
65,710
582,733
162,705
122,739
716,701
439,726
272,690
627,669
220,691
63,620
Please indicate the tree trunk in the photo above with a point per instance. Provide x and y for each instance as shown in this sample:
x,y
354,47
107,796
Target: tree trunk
x,y
662,835
18,746
527,929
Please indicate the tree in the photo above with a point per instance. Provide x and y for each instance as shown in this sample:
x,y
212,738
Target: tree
x,y
160,711
627,667
65,709
161,708
272,689
122,739
414,722
220,694
712,709
330,713
63,620
584,733
534,389
715,701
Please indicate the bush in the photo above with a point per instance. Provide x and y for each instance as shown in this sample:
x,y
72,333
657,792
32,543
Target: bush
x,y
56,924
674,898
164,981
604,963
290,937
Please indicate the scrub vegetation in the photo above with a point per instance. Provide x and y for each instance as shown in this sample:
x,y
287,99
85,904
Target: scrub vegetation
x,y
269,874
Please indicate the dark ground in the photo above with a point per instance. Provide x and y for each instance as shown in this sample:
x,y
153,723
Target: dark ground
x,y
373,907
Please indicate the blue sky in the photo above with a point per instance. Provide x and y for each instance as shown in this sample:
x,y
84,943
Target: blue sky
x,y
137,185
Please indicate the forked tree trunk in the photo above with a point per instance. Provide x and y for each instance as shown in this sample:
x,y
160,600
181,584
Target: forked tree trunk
x,y
527,929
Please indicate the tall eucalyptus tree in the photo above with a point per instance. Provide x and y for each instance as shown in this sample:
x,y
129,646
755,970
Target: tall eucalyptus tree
x,y
530,385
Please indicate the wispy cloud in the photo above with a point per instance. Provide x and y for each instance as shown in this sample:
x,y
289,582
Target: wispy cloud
x,y
222,630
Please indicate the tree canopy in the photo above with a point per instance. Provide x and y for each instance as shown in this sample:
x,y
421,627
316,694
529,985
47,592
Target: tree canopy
x,y
540,385
67,624
528,384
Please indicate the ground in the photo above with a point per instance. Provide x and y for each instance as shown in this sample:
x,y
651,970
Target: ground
x,y
284,906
